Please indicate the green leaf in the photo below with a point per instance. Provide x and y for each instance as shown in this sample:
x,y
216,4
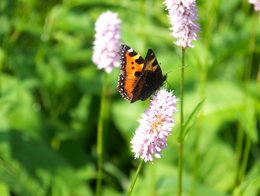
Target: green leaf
x,y
4,189
251,184
126,115
35,168
248,119
191,118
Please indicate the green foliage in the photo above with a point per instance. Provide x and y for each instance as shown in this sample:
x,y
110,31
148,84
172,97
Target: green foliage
x,y
50,97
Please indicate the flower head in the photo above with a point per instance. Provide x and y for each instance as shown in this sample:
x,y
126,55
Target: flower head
x,y
256,4
107,41
183,18
155,126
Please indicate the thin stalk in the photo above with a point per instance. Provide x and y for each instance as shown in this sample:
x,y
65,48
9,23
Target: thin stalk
x,y
239,142
135,178
212,7
240,134
245,159
180,154
100,138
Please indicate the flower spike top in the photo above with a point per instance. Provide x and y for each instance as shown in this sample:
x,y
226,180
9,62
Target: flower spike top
x,y
183,18
107,41
256,4
155,126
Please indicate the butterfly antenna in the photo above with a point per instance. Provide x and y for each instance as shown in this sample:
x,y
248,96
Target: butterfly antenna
x,y
168,85
179,68
176,68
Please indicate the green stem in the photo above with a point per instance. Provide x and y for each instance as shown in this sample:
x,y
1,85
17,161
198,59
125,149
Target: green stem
x,y
100,138
180,169
180,164
245,159
135,178
240,134
239,142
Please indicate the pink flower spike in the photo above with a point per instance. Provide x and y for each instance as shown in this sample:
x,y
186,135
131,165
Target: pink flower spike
x,y
183,18
256,4
107,41
155,126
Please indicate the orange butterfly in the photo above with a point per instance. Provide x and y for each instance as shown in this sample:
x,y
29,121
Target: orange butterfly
x,y
139,77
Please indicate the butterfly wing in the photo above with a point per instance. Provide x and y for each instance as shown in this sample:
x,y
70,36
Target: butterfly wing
x,y
131,70
151,78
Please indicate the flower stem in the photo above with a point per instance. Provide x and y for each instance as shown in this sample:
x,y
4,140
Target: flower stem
x,y
100,138
180,163
242,154
247,73
135,178
245,159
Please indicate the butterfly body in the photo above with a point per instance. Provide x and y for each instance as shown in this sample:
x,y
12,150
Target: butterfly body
x,y
139,77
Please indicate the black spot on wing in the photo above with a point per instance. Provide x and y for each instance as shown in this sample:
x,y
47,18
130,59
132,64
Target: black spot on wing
x,y
138,73
139,60
155,63
132,53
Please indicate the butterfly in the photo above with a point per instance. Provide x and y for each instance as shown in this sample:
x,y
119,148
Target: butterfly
x,y
139,78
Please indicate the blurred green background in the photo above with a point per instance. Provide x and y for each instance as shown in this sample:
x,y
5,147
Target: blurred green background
x,y
50,98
